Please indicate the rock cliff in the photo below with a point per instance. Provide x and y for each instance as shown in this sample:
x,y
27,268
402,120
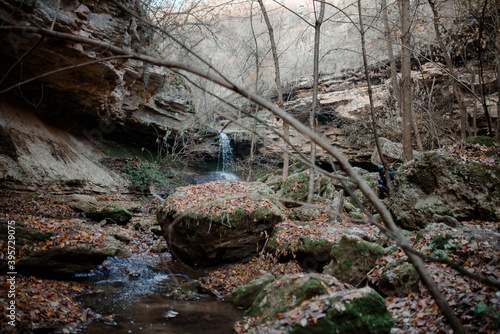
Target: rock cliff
x,y
48,125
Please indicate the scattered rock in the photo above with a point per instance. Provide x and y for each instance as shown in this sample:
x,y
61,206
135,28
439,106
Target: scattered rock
x,y
243,297
353,258
112,213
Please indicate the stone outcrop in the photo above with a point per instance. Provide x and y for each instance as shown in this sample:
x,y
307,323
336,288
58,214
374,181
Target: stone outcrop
x,y
217,222
49,127
436,184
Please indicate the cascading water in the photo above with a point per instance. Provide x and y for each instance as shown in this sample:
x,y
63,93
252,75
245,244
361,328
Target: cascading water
x,y
225,152
224,161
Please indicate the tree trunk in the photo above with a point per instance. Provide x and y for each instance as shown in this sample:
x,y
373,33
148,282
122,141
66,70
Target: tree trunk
x,y
451,69
473,89
497,47
390,54
370,98
254,126
277,80
312,115
406,95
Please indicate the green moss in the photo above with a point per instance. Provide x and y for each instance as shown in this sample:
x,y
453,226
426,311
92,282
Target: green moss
x,y
360,316
312,288
314,246
483,140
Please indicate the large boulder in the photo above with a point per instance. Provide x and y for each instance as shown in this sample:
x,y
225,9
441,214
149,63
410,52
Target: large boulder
x,y
353,258
436,184
218,222
343,312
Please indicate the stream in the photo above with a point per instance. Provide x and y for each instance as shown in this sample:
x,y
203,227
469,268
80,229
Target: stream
x,y
129,297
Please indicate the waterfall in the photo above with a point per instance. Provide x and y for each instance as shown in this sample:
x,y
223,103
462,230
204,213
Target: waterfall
x,y
225,152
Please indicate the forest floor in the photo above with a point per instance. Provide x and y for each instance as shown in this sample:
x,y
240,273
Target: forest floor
x,y
48,303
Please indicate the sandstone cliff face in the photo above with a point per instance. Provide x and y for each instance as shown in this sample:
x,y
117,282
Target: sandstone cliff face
x,y
121,100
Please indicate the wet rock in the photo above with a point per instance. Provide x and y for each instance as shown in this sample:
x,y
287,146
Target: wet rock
x,y
187,291
436,184
345,312
112,213
398,280
218,231
353,258
158,248
243,297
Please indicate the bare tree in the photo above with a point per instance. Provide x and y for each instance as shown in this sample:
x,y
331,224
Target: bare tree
x,y
406,96
312,115
277,79
390,54
451,69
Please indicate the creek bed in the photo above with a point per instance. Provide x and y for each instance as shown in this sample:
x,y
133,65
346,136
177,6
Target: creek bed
x,y
129,297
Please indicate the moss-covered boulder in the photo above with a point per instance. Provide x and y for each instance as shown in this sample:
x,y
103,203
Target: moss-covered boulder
x,y
398,280
244,296
112,213
360,311
289,291
218,222
353,258
436,184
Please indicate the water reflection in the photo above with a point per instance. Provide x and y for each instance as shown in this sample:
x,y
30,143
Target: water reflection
x,y
130,300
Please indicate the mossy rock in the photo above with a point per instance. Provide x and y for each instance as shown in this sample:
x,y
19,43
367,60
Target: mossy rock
x,y
296,187
285,293
353,258
436,184
222,230
399,280
112,213
244,296
187,291
483,140
361,311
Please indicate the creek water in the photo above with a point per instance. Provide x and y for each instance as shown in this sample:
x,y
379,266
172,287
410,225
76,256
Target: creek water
x,y
130,297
